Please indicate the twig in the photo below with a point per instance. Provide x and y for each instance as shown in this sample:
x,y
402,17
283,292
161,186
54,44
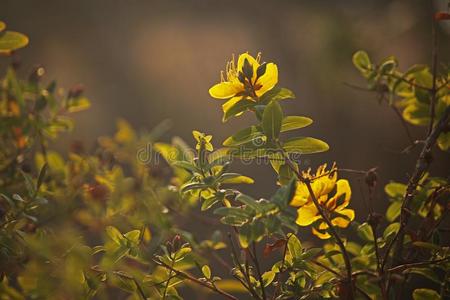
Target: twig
x,y
411,83
434,61
168,280
340,276
195,280
244,273
281,269
258,269
405,126
403,267
422,165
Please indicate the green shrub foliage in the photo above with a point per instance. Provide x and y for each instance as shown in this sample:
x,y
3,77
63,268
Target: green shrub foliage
x,y
114,223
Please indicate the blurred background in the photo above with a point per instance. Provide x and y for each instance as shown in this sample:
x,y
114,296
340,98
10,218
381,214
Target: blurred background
x,y
147,61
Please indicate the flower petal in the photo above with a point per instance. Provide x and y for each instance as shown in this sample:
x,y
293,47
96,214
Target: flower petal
x,y
268,80
227,105
251,60
307,215
320,232
341,221
301,195
342,188
225,90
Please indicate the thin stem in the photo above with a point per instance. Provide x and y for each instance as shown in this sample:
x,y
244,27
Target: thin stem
x,y
377,255
365,295
140,290
248,285
403,267
422,165
434,61
168,280
281,269
258,270
411,83
405,126
195,280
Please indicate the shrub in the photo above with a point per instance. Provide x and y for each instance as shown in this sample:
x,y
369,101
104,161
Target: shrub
x,y
107,224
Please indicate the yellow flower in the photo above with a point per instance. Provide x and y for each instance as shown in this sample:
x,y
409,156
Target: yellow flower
x,y
249,80
203,140
335,207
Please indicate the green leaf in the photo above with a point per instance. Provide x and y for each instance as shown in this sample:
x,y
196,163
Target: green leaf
x,y
125,281
234,178
425,272
425,294
443,141
294,246
271,121
268,277
310,253
426,245
395,189
417,114
206,271
208,203
294,122
391,229
284,194
114,234
180,254
388,65
232,211
78,104
133,236
186,165
393,211
237,109
365,232
249,201
305,145
276,94
11,40
243,136
362,62
234,220
193,186
245,236
285,174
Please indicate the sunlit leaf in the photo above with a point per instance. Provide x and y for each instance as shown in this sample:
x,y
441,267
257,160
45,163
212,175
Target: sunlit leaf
x,y
206,271
271,121
305,145
276,94
243,136
11,40
362,62
365,232
425,294
295,122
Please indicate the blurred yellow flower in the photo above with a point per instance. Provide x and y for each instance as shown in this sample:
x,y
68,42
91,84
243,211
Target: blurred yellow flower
x,y
335,207
248,80
203,140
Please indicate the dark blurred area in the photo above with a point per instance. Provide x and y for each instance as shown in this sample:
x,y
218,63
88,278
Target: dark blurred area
x,y
147,61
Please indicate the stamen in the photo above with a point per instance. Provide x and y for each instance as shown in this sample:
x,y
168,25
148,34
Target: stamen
x,y
258,57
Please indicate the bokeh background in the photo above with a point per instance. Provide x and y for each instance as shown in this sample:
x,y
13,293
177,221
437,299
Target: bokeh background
x,y
147,61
